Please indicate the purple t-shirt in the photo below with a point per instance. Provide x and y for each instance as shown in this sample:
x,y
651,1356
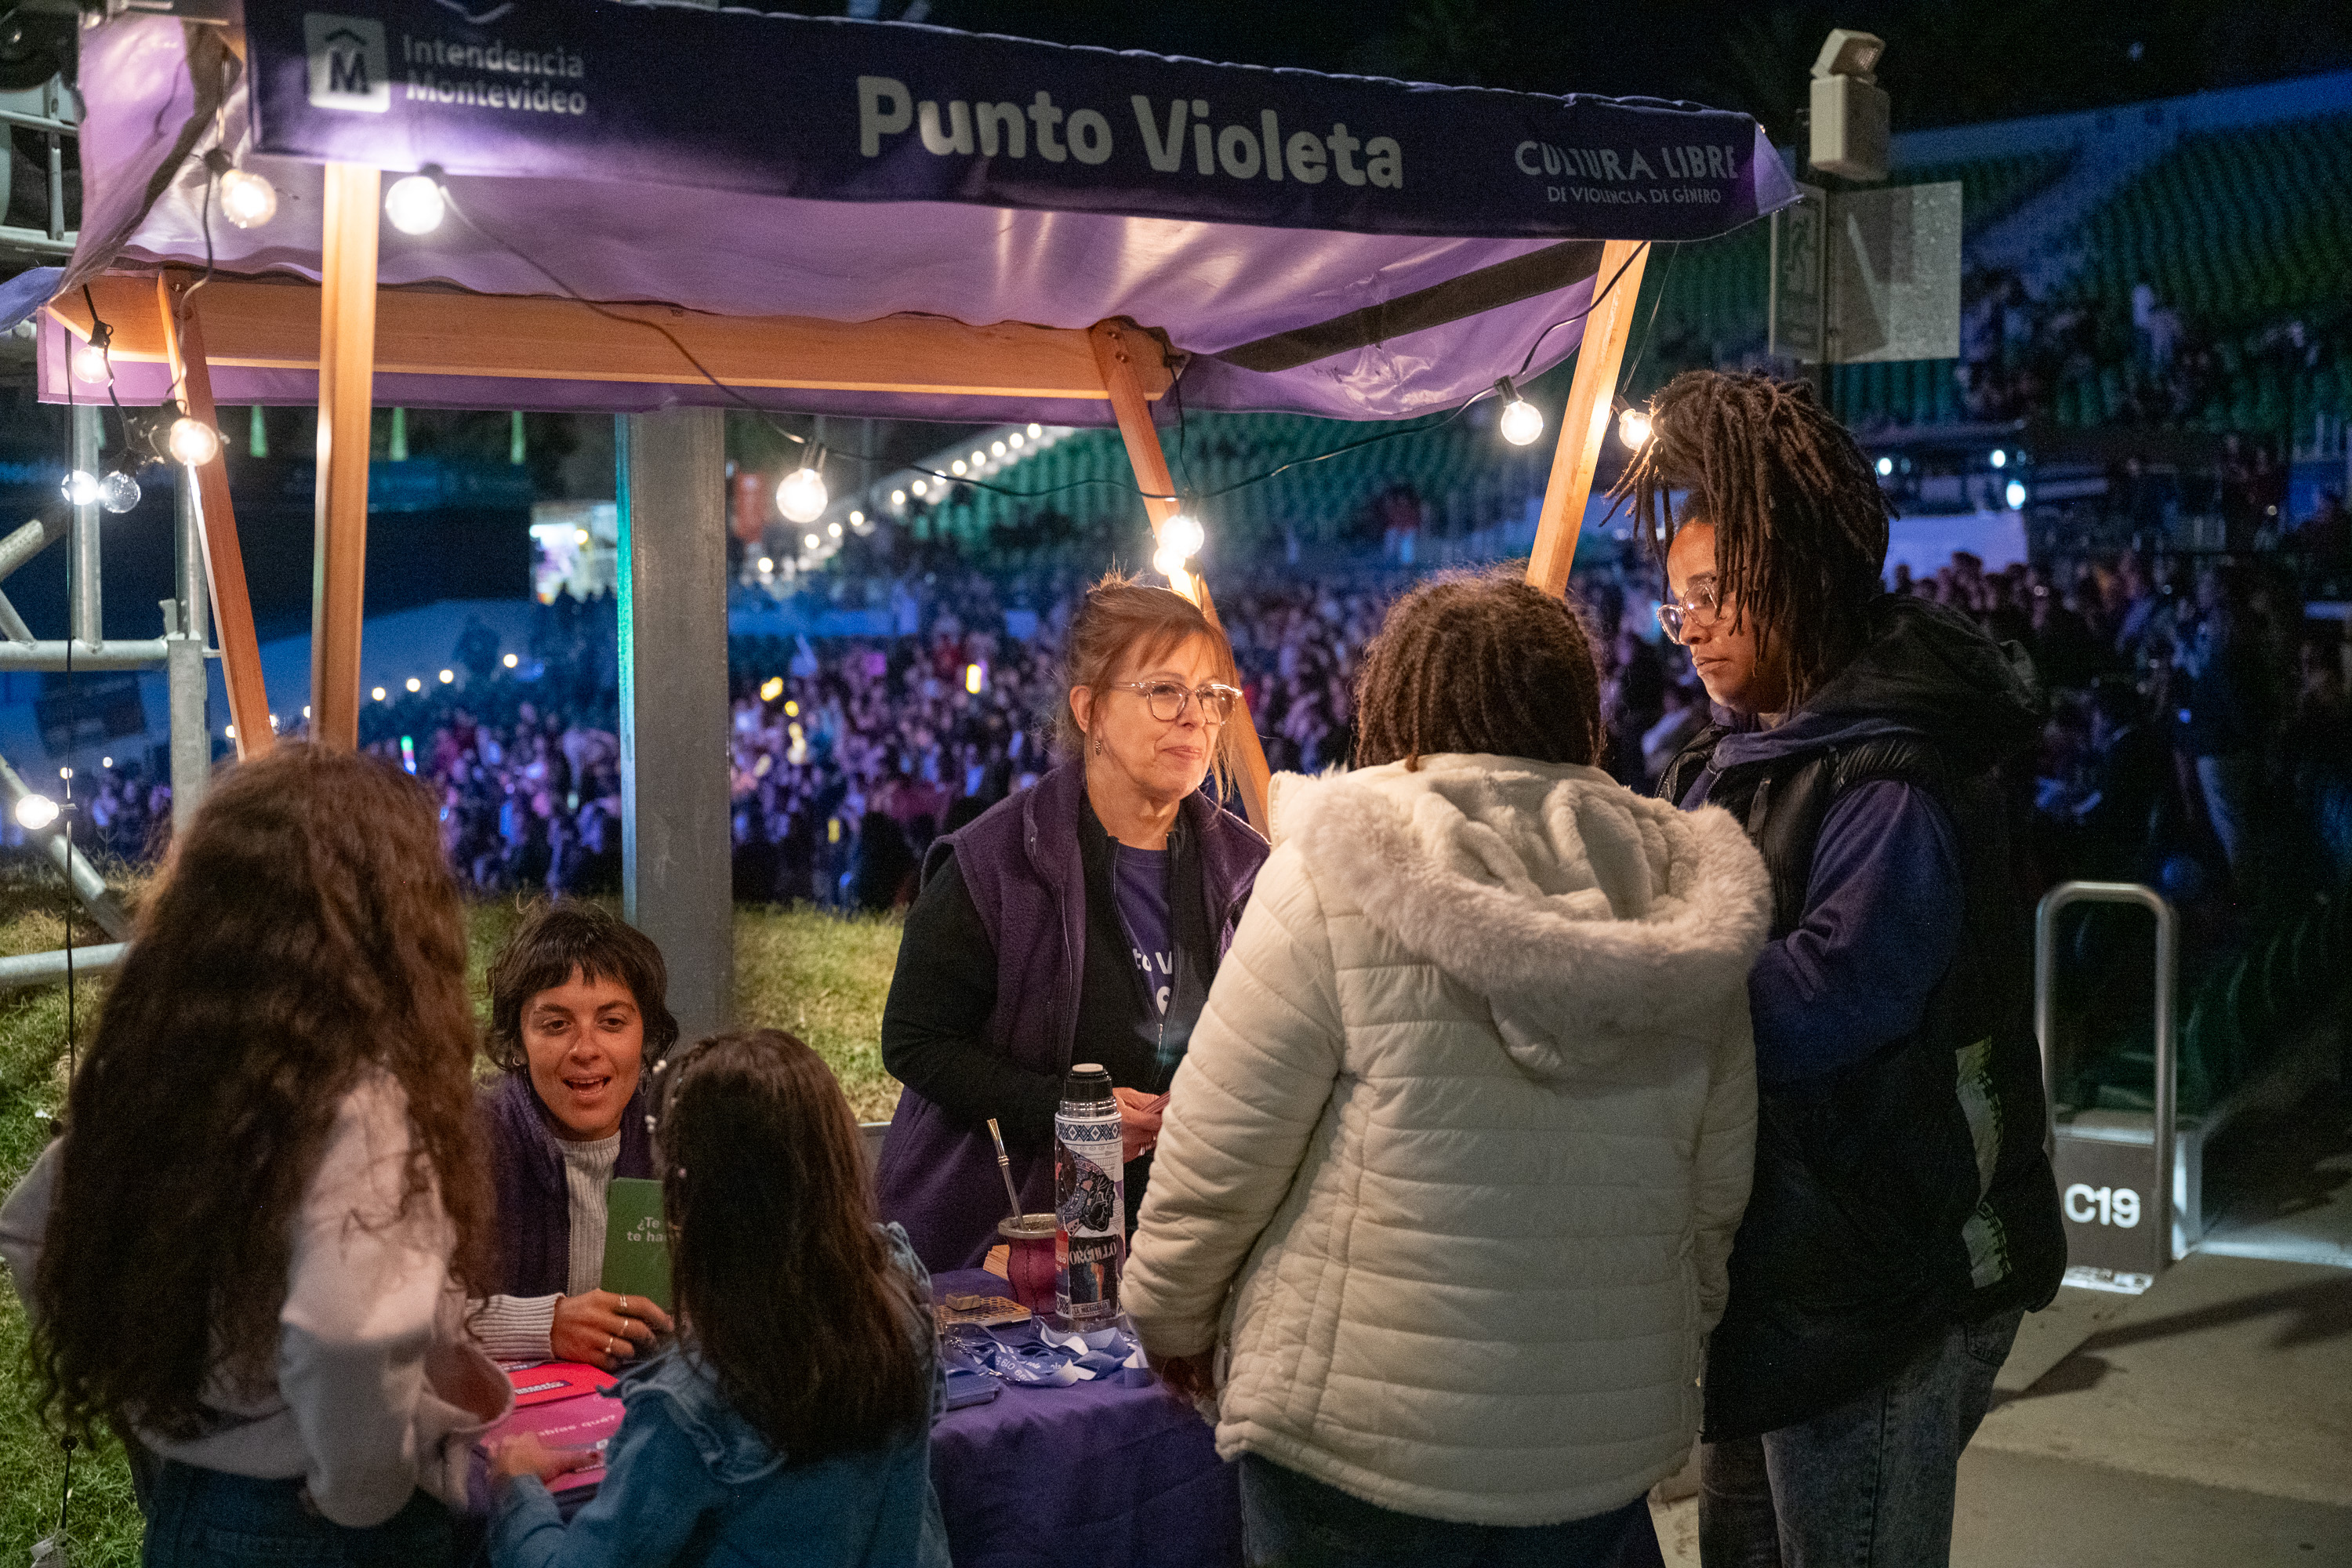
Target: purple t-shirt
x,y
1139,878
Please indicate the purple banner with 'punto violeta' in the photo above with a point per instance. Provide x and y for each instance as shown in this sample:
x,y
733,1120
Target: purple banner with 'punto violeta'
x,y
836,109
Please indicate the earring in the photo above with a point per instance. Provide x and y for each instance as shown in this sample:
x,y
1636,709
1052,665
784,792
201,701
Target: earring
x,y
1097,745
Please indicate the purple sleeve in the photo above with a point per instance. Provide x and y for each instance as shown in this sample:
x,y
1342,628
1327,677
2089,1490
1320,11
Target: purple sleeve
x,y
1882,921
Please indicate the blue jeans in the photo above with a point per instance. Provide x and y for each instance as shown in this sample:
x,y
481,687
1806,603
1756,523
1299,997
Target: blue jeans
x,y
1289,1521
209,1519
1868,1485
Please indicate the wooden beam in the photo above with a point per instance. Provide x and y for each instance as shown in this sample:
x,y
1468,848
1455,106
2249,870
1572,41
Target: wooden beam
x,y
274,325
1120,348
1584,425
183,334
346,402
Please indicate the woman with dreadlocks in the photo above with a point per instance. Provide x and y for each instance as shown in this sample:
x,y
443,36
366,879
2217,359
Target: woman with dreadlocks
x,y
1903,1217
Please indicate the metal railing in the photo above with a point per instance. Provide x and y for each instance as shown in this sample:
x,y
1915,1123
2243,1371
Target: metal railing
x,y
2167,956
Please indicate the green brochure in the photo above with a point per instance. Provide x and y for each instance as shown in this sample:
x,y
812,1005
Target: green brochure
x,y
636,1245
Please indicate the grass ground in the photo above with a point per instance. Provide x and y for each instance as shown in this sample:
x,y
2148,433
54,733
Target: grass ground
x,y
822,978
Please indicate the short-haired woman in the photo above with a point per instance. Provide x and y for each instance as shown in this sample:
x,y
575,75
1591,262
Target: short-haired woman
x,y
577,1015
1466,1126
250,1247
1081,920
790,1423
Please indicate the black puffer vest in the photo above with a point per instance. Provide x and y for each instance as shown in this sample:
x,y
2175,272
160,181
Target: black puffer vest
x,y
1909,1189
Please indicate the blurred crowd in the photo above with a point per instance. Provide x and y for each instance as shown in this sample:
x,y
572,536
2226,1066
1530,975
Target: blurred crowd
x,y
2199,736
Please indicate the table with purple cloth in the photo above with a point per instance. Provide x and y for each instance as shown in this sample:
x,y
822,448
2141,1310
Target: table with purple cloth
x,y
1096,1472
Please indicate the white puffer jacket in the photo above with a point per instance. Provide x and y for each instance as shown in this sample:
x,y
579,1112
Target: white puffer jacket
x,y
1466,1128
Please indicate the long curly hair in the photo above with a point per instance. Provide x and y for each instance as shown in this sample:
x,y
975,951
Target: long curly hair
x,y
772,1244
1800,525
306,930
1481,662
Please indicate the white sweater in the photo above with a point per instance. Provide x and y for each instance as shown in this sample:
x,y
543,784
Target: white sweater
x,y
376,1391
1453,1162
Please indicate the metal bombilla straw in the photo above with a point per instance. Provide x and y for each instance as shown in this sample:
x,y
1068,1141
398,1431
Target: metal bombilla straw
x,y
1004,1167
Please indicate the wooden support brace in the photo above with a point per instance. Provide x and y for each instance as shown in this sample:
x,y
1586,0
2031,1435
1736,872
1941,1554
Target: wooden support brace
x,y
1584,424
346,405
1121,350
248,702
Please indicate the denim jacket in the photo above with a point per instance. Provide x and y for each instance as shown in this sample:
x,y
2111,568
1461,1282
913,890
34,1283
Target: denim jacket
x,y
689,1481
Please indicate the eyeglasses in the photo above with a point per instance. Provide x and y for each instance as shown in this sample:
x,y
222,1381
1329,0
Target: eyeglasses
x,y
1703,601
1167,700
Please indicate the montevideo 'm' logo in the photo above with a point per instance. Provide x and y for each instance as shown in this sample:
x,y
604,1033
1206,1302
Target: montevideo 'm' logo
x,y
350,66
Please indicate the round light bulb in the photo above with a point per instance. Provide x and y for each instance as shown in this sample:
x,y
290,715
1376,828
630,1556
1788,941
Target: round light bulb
x,y
1036,429
1015,439
379,694
1633,427
801,497
834,529
919,487
957,468
2000,458
193,442
997,448
1886,467
415,684
82,488
2015,496
449,676
36,811
117,492
511,660
1522,422
89,364
898,498
1168,561
247,199
1181,534
414,204
856,519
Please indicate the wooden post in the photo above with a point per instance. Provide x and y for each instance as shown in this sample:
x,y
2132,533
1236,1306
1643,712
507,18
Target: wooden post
x,y
346,402
248,703
1119,345
1584,424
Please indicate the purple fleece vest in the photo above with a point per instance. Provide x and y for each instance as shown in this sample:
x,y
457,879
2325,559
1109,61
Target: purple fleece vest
x,y
1021,863
534,1218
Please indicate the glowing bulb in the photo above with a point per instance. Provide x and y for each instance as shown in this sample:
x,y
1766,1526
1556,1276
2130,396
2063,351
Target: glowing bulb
x,y
1183,535
978,457
919,487
510,660
415,684
1886,467
414,204
856,520
792,709
973,677
1633,427
1015,439
771,688
767,563
306,710
579,536
801,497
193,442
812,541
2000,458
378,693
117,492
89,364
35,812
2015,495
448,675
229,731
1036,430
957,468
898,498
273,723
1168,562
82,488
1522,422
997,448
247,199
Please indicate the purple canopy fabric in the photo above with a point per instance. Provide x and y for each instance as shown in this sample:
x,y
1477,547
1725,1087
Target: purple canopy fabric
x,y
1343,246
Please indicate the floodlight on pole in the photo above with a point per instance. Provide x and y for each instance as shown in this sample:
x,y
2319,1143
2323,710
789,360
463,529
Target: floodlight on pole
x,y
1847,122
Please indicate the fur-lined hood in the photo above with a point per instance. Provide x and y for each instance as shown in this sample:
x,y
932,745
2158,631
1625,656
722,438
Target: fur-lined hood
x,y
1588,916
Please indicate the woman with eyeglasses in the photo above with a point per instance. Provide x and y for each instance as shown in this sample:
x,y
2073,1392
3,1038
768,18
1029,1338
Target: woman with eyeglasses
x,y
1078,920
